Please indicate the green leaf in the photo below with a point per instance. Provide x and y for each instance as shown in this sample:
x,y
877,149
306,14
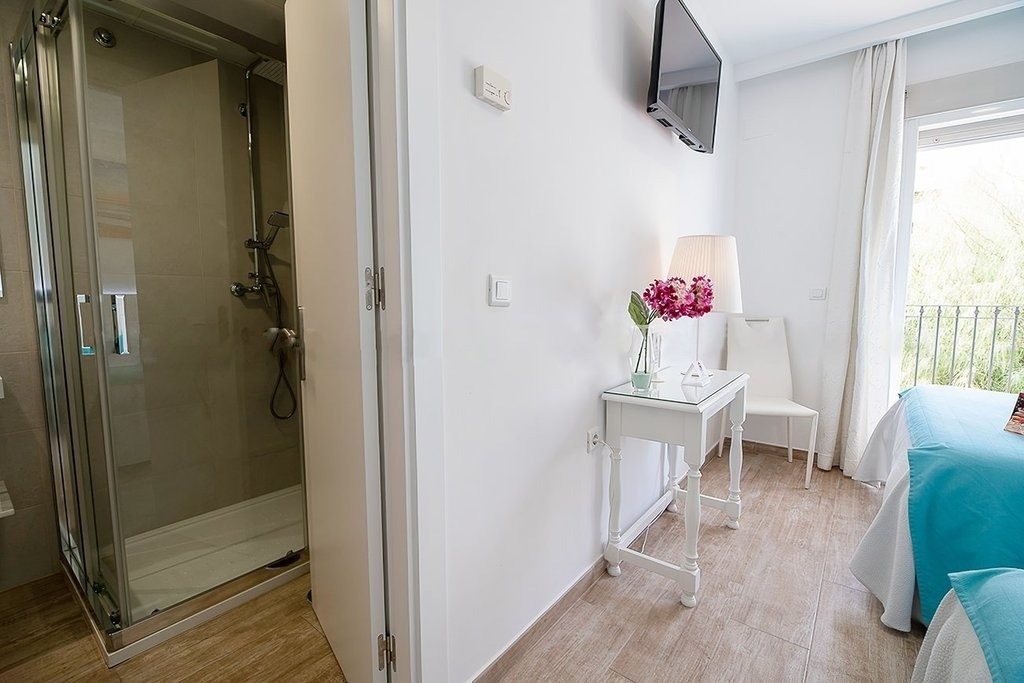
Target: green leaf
x,y
638,310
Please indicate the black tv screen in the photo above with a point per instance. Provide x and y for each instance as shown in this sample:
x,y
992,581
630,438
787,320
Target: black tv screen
x,y
685,71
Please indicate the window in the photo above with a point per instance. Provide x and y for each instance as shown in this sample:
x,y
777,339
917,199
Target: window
x,y
963,318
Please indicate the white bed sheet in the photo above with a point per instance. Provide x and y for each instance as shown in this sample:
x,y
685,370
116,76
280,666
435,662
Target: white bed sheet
x,y
884,560
950,652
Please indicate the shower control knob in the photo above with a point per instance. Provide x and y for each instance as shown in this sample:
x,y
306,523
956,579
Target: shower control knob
x,y
288,339
282,338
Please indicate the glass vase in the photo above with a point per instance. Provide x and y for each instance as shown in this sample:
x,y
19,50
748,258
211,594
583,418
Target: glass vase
x,y
641,368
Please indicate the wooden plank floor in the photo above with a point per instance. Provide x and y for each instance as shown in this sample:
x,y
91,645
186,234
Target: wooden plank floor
x,y
777,601
45,637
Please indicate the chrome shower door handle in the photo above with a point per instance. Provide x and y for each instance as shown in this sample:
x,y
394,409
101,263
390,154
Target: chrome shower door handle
x,y
120,324
85,349
302,345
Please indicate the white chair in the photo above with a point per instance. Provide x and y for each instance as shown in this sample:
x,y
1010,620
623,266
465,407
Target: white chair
x,y
757,346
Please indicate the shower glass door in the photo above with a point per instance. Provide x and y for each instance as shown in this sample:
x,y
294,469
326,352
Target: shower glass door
x,y
164,186
208,480
63,280
79,312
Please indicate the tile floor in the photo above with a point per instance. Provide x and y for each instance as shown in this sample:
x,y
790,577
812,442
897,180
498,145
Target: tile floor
x,y
45,637
777,602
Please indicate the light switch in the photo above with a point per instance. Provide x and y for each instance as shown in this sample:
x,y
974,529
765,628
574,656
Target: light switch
x,y
818,294
499,291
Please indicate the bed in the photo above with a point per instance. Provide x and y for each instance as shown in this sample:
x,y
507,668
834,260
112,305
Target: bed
x,y
952,502
976,632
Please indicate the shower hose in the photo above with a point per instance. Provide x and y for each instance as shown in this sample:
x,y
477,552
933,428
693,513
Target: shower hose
x,y
282,357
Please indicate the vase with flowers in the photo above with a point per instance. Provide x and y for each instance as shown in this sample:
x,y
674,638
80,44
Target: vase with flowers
x,y
640,360
668,300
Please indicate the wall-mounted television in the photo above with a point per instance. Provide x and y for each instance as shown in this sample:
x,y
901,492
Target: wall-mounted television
x,y
685,71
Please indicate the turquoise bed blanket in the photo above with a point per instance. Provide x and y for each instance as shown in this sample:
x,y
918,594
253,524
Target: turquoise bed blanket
x,y
994,601
966,500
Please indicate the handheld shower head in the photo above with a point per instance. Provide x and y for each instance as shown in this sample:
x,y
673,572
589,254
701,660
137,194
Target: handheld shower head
x,y
279,219
276,221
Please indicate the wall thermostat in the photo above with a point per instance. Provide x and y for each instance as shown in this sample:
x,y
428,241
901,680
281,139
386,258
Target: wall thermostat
x,y
492,88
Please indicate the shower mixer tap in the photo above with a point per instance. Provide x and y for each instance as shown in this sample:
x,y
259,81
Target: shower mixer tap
x,y
240,290
282,339
260,285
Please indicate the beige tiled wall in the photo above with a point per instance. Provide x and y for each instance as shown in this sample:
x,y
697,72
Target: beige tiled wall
x,y
191,427
28,540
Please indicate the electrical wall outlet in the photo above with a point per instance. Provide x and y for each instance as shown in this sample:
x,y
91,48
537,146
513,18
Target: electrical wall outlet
x,y
593,439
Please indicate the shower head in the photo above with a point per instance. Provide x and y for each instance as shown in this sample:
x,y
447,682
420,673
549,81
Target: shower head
x,y
276,221
271,69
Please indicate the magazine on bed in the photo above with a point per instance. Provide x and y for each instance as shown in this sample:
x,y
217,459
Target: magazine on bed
x,y
1016,423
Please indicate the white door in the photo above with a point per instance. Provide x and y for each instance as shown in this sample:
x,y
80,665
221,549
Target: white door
x,y
330,168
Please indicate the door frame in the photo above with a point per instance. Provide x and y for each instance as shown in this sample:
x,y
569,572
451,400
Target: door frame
x,y
904,225
912,127
406,158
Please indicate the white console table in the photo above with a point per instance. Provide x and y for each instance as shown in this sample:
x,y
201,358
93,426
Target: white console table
x,y
676,415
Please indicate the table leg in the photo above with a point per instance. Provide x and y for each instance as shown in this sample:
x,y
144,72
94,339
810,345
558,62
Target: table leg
x,y
737,414
611,551
673,475
690,572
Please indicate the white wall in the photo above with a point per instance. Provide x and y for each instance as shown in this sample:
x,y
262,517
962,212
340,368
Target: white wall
x,y
576,195
791,126
973,46
787,188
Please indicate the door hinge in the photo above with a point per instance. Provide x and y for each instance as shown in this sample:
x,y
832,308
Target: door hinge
x,y
386,652
374,288
50,21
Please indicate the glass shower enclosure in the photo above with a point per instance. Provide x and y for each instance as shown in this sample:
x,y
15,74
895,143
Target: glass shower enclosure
x,y
156,178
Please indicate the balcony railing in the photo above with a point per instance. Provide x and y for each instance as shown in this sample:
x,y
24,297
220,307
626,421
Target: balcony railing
x,y
966,345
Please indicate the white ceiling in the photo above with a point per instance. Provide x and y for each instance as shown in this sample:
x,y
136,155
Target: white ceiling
x,y
763,36
751,29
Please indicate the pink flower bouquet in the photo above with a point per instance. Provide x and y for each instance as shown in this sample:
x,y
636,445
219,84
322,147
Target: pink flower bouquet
x,y
669,299
672,299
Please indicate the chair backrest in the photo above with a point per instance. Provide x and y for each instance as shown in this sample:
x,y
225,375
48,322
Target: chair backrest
x,y
757,346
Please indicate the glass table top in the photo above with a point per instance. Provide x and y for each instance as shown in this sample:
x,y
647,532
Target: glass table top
x,y
672,389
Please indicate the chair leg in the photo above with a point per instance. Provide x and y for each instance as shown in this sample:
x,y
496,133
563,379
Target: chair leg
x,y
721,438
789,439
810,451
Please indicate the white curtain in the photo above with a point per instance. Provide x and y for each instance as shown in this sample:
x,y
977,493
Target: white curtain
x,y
859,328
